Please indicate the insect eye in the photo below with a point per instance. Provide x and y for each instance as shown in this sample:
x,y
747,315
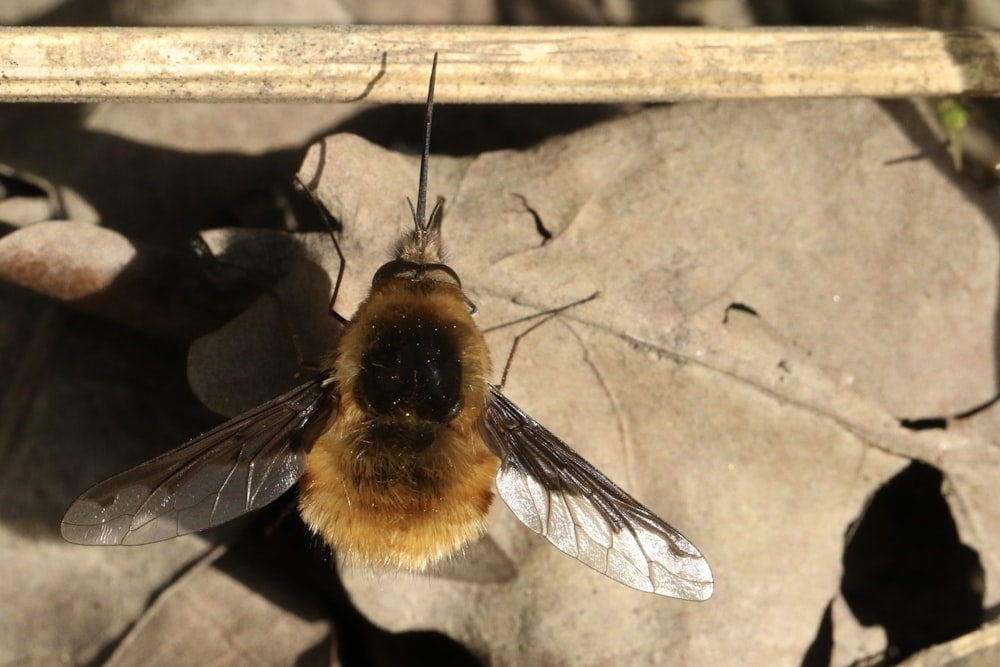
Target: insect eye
x,y
441,273
397,268
401,268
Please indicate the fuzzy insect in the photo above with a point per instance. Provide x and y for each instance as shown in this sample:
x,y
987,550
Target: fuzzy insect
x,y
395,448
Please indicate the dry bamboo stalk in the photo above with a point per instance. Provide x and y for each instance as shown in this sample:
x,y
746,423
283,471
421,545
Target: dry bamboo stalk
x,y
489,64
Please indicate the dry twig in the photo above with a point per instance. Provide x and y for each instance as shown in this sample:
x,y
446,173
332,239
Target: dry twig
x,y
489,64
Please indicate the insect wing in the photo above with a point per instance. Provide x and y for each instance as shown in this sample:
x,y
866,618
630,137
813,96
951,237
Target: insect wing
x,y
557,494
240,466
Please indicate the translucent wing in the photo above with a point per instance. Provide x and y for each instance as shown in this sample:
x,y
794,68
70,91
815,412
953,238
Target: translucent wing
x,y
238,467
583,513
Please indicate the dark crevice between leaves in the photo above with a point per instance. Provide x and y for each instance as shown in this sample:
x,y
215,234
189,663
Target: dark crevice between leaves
x,y
906,570
13,186
539,225
820,652
941,422
924,423
740,308
20,185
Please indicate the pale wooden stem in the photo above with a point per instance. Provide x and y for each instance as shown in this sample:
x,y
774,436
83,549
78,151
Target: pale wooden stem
x,y
489,64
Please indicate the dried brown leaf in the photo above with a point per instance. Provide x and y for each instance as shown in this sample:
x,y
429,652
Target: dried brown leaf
x,y
872,272
207,617
104,273
873,282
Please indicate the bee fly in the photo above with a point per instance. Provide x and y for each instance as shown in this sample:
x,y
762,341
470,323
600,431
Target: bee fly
x,y
394,448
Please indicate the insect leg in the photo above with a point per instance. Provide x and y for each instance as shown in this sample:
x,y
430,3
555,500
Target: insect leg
x,y
328,221
546,315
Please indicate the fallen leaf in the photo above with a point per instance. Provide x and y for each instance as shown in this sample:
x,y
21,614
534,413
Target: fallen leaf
x,y
865,286
207,616
863,275
101,272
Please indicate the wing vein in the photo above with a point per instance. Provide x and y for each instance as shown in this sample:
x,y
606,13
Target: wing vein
x,y
602,525
264,448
